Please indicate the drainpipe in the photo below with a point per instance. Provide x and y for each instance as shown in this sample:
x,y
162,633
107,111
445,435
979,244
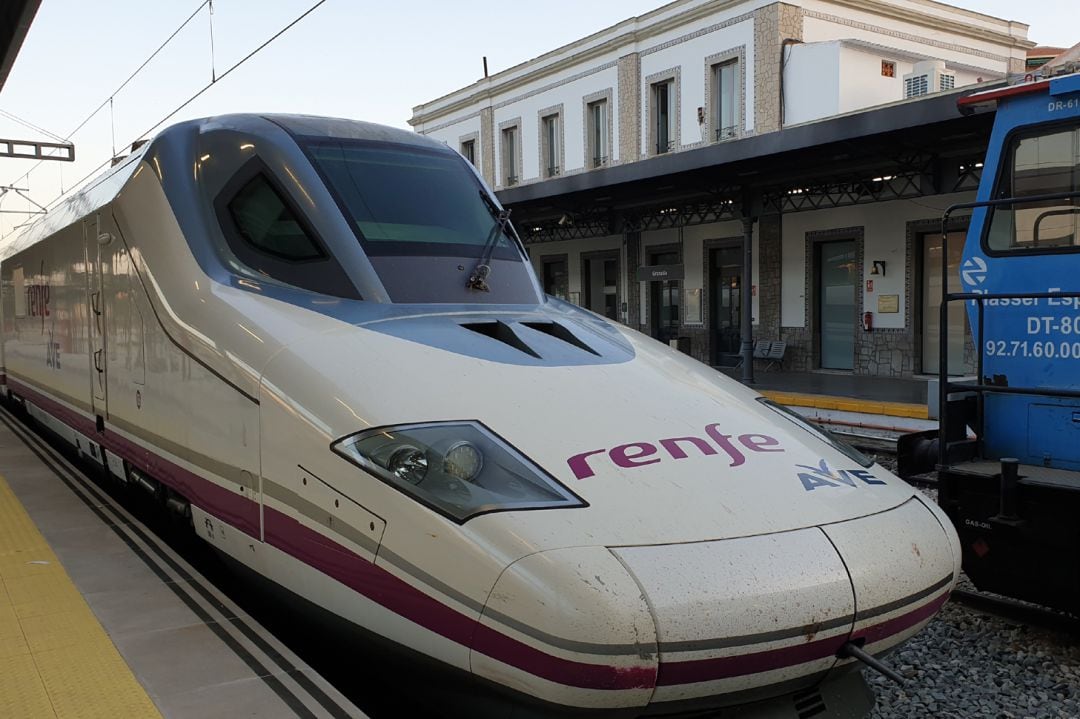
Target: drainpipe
x,y
784,45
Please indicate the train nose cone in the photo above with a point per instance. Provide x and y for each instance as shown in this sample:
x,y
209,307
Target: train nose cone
x,y
903,564
749,618
744,618
724,622
569,626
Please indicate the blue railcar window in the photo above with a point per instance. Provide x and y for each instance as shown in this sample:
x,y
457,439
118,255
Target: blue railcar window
x,y
1043,164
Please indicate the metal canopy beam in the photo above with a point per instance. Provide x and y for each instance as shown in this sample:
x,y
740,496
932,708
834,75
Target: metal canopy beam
x,y
814,148
34,150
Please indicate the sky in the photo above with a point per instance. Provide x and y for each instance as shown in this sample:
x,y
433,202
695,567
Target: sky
x,y
366,60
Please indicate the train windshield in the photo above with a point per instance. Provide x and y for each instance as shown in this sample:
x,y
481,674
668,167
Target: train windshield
x,y
406,200
1039,164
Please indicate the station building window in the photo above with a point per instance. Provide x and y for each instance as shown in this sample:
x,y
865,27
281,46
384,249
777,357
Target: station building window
x,y
468,151
663,117
550,145
597,132
510,150
726,98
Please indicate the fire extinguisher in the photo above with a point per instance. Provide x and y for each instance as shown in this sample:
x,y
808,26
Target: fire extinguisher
x,y
867,321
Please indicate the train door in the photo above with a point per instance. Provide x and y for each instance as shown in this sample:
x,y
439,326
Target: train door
x,y
96,331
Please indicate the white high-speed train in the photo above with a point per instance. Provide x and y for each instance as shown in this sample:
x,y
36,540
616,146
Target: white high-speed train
x,y
321,341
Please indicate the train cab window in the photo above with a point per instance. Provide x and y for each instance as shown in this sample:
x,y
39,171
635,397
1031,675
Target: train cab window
x,y
1042,164
425,221
267,224
405,200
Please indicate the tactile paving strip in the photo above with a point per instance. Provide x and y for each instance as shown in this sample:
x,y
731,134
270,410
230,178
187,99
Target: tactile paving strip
x,y
848,404
56,661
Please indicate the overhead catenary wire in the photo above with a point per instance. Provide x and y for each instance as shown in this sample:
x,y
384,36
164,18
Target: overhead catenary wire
x,y
29,125
232,67
182,105
108,100
213,62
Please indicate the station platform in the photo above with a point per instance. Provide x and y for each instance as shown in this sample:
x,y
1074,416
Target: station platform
x,y
100,619
879,404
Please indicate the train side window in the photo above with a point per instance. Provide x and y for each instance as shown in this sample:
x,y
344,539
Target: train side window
x,y
1042,164
266,223
270,236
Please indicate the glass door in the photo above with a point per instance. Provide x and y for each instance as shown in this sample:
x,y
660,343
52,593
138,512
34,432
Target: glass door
x,y
725,304
602,285
664,300
836,309
957,331
556,278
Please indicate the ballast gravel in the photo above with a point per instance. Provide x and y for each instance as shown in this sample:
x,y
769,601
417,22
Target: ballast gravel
x,y
970,665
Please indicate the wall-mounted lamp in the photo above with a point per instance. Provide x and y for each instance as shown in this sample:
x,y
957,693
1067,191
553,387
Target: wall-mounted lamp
x,y
879,268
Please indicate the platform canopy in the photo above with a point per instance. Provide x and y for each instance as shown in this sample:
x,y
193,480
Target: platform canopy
x,y
15,19
908,149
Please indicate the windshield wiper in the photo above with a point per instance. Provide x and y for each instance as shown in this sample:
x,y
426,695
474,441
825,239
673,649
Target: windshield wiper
x,y
478,279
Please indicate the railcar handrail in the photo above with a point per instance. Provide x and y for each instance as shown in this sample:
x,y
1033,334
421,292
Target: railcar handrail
x,y
980,388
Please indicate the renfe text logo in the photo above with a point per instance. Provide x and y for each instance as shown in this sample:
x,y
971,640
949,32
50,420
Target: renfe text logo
x,y
639,454
37,300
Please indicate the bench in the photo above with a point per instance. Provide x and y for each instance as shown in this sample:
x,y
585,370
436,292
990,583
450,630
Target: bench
x,y
775,355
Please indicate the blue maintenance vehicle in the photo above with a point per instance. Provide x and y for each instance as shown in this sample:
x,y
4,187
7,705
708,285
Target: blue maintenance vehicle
x,y
1007,450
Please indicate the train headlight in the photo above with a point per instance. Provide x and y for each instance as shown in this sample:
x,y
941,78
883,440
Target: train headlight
x,y
460,469
408,463
463,460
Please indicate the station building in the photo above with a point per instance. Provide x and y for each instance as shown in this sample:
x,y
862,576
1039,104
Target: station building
x,y
795,157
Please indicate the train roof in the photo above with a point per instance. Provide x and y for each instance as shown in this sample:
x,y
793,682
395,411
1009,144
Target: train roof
x,y
104,188
1058,85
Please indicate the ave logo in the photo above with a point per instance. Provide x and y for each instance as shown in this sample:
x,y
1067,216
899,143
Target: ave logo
x,y
823,476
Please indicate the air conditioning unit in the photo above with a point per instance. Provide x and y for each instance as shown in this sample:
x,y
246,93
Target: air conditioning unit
x,y
926,77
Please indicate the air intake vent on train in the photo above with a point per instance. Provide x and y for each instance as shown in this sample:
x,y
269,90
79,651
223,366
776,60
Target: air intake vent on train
x,y
503,333
560,332
809,703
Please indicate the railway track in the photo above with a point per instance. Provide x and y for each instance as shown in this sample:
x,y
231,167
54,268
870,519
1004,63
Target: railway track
x,y
1018,611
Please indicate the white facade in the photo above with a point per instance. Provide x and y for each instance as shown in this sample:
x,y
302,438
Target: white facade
x,y
834,55
695,73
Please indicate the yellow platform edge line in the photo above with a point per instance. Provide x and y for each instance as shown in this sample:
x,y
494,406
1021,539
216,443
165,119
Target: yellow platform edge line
x,y
849,404
56,660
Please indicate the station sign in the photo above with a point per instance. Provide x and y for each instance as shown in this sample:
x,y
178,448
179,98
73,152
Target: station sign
x,y
658,273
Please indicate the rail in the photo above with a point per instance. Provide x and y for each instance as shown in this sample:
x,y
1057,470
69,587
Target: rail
x,y
980,387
